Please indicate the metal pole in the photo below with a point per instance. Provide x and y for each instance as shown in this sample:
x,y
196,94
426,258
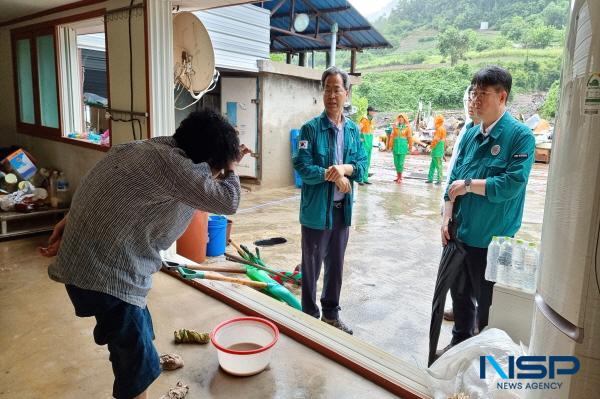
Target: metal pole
x,y
334,29
302,58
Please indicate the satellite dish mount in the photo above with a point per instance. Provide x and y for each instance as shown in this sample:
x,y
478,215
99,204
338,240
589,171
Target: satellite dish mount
x,y
194,59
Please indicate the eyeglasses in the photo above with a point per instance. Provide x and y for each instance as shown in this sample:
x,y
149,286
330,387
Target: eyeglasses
x,y
337,91
474,95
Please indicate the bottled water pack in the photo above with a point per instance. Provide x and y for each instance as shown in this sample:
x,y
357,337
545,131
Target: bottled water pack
x,y
512,262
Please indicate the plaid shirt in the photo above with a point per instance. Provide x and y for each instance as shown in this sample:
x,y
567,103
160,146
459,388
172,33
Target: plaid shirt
x,y
133,203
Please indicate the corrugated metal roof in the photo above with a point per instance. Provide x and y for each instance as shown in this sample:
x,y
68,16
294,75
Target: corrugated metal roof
x,y
239,35
354,31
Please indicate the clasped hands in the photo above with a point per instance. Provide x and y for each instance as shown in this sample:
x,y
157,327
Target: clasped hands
x,y
337,174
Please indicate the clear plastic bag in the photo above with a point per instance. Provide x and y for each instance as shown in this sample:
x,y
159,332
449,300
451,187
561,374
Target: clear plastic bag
x,y
457,370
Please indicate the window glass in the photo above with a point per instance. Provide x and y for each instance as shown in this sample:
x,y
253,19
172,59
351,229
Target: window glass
x,y
25,82
47,81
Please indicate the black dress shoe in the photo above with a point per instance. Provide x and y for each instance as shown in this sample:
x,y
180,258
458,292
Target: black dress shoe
x,y
449,315
337,323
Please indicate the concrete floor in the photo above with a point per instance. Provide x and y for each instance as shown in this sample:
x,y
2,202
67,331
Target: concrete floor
x,y
391,265
393,253
47,352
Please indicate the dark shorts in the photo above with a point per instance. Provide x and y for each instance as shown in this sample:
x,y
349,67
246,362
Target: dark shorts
x,y
127,330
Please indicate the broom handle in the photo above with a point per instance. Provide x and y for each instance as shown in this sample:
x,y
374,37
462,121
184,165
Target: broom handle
x,y
256,265
249,283
237,247
220,269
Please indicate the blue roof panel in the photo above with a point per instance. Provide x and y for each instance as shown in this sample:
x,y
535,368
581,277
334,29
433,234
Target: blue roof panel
x,y
354,31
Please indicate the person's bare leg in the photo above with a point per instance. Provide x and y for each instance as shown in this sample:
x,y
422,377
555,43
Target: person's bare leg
x,y
143,395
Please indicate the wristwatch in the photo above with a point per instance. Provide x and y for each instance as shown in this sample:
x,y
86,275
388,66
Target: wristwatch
x,y
468,184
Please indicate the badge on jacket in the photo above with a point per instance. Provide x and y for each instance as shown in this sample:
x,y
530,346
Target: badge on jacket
x,y
303,145
495,150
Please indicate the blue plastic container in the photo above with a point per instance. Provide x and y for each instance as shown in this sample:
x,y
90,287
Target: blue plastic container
x,y
295,138
217,232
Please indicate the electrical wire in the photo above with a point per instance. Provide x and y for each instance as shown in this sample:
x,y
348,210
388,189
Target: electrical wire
x,y
131,75
131,119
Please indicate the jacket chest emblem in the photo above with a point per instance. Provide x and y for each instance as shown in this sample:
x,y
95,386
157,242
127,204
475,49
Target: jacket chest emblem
x,y
495,150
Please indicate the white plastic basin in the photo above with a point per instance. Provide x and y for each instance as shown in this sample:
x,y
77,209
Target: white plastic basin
x,y
244,344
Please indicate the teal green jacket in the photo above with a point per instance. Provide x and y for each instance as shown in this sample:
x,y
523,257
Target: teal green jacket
x,y
315,154
504,159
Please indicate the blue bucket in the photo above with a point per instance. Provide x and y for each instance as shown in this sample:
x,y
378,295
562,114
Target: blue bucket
x,y
217,232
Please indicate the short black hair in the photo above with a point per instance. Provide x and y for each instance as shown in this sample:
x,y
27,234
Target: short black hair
x,y
333,70
207,136
493,76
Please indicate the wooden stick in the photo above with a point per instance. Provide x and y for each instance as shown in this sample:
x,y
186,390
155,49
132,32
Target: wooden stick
x,y
237,247
249,283
220,269
261,267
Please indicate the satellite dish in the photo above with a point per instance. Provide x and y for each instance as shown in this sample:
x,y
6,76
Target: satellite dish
x,y
301,22
194,58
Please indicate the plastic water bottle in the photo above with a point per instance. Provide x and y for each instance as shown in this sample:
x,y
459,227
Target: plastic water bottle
x,y
530,267
516,276
53,189
505,261
491,271
62,191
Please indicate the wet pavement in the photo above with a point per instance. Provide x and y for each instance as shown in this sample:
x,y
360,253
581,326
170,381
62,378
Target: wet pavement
x,y
393,251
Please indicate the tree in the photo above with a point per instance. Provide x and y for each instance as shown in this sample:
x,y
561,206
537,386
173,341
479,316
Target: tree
x,y
550,106
514,29
555,15
361,104
453,43
539,36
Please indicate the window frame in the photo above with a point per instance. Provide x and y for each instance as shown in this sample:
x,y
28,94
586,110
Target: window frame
x,y
50,28
36,129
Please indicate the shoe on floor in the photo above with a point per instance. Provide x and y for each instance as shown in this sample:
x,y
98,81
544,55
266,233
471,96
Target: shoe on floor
x,y
449,315
438,182
429,181
368,182
361,183
337,323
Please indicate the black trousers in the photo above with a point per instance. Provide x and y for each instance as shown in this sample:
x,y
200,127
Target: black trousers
x,y
328,246
471,296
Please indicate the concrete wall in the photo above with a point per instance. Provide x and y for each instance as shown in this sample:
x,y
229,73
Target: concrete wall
x,y
290,95
287,103
76,160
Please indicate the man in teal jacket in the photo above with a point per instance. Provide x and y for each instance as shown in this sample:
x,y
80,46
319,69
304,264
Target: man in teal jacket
x,y
486,194
330,159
